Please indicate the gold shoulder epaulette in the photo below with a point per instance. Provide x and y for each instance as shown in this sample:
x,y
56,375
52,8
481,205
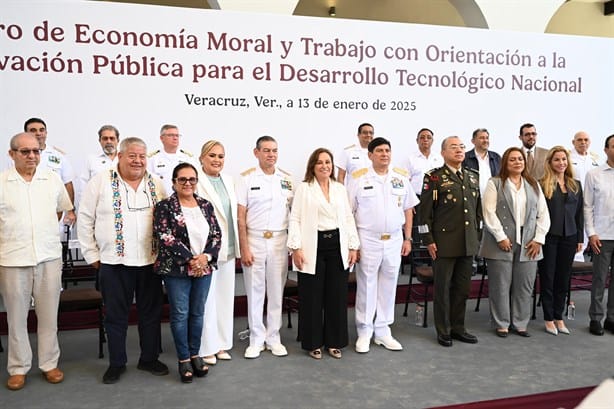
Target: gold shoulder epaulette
x,y
284,172
152,154
248,171
59,150
359,172
401,171
349,147
186,153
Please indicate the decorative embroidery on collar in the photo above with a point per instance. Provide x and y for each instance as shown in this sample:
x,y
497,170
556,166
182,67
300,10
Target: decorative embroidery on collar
x,y
117,211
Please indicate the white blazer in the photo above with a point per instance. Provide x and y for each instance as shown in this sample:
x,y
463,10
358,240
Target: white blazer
x,y
207,191
304,220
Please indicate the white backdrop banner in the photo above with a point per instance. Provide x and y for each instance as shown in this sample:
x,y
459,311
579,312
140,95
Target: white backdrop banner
x,y
309,82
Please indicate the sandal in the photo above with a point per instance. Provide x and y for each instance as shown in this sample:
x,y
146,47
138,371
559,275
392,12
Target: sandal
x,y
185,371
199,366
335,353
316,353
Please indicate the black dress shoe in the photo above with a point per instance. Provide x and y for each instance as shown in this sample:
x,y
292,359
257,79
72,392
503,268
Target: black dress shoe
x,y
523,333
113,374
153,367
500,333
444,340
465,337
609,325
595,327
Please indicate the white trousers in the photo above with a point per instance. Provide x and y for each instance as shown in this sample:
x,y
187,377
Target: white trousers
x,y
18,285
376,283
266,276
219,310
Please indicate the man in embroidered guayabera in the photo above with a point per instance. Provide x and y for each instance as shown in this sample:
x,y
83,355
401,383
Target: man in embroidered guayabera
x,y
115,234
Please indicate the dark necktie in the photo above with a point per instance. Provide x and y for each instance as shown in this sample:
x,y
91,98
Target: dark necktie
x,y
459,174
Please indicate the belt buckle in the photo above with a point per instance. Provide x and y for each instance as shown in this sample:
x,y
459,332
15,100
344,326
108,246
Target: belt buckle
x,y
327,235
384,236
267,234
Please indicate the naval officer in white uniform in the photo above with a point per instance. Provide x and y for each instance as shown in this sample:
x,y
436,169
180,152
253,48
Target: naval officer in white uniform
x,y
162,161
382,200
264,197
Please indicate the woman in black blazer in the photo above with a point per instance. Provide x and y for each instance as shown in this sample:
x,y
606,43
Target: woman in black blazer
x,y
564,239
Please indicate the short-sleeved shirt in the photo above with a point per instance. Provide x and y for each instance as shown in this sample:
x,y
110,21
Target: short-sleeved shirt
x,y
379,202
267,198
162,164
352,158
54,159
28,217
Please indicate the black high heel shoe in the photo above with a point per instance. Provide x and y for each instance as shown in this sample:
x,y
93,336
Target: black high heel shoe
x,y
185,372
198,365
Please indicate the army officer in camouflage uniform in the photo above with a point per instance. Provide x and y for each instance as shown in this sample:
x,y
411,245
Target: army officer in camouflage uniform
x,y
450,221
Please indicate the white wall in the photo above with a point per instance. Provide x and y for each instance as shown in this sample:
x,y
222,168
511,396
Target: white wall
x,y
75,105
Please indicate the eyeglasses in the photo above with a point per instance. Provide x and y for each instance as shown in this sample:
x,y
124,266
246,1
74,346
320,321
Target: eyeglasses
x,y
172,135
140,200
456,146
27,152
185,181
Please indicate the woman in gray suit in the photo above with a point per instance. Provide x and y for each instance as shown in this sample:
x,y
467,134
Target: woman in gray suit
x,y
516,222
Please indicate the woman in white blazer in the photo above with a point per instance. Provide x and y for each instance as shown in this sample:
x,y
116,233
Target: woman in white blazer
x,y
219,308
324,242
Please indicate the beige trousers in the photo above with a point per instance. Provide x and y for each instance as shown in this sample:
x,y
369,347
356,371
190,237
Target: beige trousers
x,y
18,285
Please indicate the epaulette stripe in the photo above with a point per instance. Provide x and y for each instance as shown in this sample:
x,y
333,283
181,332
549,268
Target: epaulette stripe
x,y
359,172
248,171
401,171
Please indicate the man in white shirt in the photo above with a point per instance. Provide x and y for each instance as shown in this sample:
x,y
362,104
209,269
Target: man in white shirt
x,y
382,201
116,236
51,157
162,161
355,156
108,138
598,220
582,160
264,197
422,160
30,258
535,156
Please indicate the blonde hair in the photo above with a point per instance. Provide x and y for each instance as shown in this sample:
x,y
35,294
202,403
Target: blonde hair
x,y
549,182
207,146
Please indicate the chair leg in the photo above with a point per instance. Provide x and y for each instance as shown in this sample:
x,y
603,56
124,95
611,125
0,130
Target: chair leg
x,y
101,337
426,305
477,305
407,296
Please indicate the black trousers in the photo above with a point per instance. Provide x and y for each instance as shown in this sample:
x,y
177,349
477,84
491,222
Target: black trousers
x,y
554,273
119,284
452,283
323,297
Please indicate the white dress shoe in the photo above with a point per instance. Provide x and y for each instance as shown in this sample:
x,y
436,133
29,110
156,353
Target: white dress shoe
x,y
389,343
277,349
362,345
253,351
210,360
223,356
563,330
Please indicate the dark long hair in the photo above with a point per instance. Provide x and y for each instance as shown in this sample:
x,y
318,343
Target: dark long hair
x,y
504,173
311,164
